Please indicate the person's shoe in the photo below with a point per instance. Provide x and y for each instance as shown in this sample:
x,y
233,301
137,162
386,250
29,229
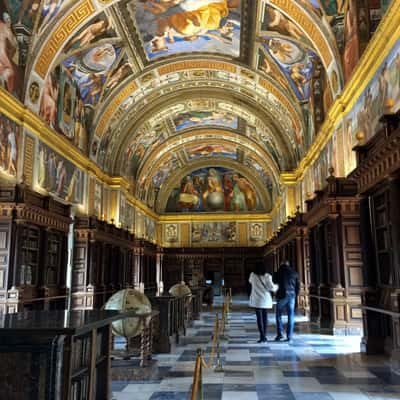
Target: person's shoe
x,y
278,338
290,340
260,340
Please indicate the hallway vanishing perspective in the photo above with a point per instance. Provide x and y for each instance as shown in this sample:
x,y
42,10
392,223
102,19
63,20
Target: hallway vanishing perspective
x,y
312,367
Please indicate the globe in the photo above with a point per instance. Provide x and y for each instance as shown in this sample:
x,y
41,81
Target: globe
x,y
128,300
179,290
215,201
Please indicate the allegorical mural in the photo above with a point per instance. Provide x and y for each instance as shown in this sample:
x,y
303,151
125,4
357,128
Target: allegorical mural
x,y
170,164
214,232
214,189
295,62
212,150
150,229
9,145
187,26
144,142
193,119
275,21
58,176
382,95
11,71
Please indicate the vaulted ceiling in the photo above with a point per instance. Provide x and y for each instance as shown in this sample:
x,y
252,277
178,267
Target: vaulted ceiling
x,y
168,88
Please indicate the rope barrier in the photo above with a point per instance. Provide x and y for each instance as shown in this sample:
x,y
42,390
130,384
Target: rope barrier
x,y
219,331
197,387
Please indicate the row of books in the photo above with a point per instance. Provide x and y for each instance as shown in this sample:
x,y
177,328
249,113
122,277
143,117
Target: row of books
x,y
81,353
80,388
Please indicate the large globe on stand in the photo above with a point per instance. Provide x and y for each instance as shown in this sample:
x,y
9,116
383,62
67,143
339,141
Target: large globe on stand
x,y
179,290
128,300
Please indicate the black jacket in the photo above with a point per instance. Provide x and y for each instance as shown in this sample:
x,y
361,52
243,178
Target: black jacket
x,y
288,281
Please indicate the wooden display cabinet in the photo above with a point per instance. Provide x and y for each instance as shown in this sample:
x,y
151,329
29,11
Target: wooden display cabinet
x,y
33,250
103,262
378,178
62,355
336,280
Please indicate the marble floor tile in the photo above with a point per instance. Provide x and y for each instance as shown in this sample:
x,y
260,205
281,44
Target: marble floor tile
x,y
312,367
240,396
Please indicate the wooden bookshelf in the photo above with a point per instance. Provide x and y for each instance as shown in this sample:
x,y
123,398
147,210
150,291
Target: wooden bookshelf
x,y
33,250
45,353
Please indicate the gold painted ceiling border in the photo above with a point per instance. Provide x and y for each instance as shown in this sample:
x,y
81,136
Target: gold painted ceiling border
x,y
27,119
220,217
105,114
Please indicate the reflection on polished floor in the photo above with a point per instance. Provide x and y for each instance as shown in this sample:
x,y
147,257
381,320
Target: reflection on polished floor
x,y
311,367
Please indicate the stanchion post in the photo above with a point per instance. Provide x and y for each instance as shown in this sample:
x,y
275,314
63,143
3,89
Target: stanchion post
x,y
197,387
218,366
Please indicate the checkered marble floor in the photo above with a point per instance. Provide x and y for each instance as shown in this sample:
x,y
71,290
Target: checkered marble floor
x,y
312,367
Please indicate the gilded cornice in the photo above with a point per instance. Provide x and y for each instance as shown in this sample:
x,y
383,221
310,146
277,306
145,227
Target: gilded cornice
x,y
212,217
28,120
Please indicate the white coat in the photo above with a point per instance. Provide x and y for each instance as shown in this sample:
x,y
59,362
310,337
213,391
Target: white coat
x,y
260,296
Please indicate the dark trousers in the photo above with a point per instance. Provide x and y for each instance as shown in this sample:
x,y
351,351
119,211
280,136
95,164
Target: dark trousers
x,y
261,314
288,303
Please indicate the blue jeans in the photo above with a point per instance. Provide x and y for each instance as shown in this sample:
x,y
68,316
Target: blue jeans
x,y
288,303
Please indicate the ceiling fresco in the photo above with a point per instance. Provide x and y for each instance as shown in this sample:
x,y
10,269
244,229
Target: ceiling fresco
x,y
148,88
188,26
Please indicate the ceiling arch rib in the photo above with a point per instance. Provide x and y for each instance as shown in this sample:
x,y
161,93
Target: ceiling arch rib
x,y
283,138
234,147
213,73
245,119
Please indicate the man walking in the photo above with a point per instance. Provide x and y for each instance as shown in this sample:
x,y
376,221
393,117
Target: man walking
x,y
289,286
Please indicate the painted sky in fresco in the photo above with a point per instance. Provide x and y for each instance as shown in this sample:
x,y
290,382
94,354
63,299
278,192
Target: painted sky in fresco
x,y
190,26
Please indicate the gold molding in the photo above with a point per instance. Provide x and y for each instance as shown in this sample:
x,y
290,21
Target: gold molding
x,y
27,119
113,106
220,217
78,15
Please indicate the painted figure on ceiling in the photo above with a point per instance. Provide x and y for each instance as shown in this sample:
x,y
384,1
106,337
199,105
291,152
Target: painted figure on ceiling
x,y
89,34
28,9
277,22
247,189
48,104
118,75
189,196
351,50
8,53
50,10
190,19
12,150
213,185
238,199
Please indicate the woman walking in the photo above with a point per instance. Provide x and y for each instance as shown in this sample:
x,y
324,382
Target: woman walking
x,y
260,297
